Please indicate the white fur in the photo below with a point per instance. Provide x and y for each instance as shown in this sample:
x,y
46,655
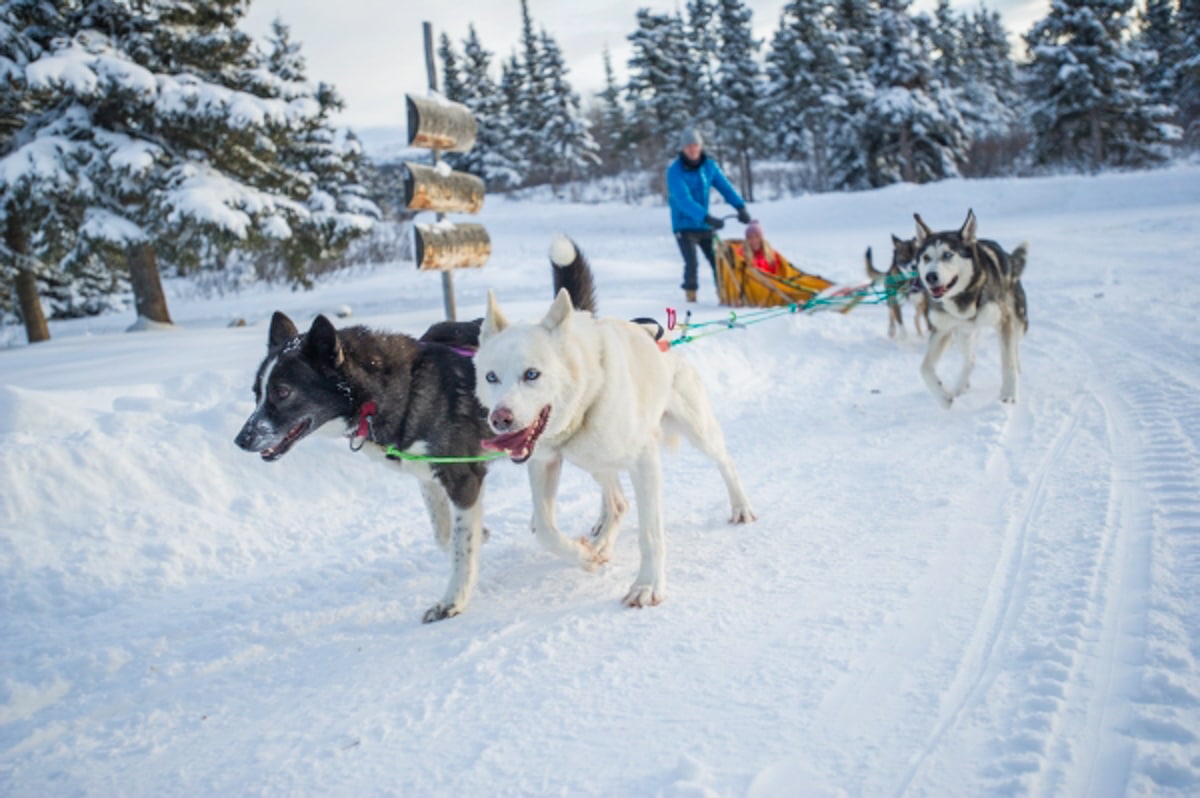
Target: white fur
x,y
562,251
613,395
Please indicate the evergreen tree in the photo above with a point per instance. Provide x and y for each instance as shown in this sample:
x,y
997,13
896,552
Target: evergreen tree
x,y
42,199
1083,79
738,88
702,64
492,158
1187,71
452,87
856,23
610,128
570,150
329,171
912,131
808,79
530,114
657,90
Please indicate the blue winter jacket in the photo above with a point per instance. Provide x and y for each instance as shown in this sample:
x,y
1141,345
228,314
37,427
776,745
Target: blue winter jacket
x,y
688,189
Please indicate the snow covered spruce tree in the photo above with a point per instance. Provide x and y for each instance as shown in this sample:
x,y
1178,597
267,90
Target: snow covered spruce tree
x,y
197,141
739,112
329,170
492,158
658,90
992,96
1187,74
609,126
856,23
42,152
568,149
1083,81
808,81
911,129
701,65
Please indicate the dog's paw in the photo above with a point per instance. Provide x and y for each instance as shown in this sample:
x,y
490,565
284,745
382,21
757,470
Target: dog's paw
x,y
742,515
1008,399
959,390
440,612
591,557
644,596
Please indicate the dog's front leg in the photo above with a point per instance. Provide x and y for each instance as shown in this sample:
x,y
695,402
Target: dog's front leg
x,y
966,346
438,505
650,588
612,509
466,538
543,483
938,342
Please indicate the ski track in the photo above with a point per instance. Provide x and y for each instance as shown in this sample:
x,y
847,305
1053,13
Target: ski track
x,y
1071,627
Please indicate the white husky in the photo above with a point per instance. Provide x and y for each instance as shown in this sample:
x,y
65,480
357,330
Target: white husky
x,y
601,394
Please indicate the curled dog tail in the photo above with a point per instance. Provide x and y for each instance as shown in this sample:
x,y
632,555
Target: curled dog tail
x,y
873,274
1016,260
572,272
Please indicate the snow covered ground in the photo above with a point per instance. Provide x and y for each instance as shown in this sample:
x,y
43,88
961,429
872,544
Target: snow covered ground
x,y
991,600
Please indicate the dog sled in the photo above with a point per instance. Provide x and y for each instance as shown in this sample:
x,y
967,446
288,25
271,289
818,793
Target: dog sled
x,y
741,284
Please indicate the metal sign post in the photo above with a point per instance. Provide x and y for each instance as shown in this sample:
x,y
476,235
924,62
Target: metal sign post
x,y
447,275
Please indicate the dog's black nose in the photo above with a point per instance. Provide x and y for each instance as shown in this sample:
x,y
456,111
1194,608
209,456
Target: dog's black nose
x,y
931,278
501,419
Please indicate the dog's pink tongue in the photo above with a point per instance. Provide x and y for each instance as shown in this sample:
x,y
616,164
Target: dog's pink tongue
x,y
506,442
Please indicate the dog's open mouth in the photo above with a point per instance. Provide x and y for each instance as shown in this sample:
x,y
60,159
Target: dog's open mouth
x,y
939,291
280,449
519,445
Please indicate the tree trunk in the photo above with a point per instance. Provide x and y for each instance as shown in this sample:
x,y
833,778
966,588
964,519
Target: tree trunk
x,y
906,156
747,178
36,328
1097,140
148,296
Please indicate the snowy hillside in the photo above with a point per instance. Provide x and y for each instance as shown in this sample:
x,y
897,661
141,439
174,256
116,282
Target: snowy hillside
x,y
990,600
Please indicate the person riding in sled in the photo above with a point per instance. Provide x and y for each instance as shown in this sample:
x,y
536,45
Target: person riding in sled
x,y
690,180
758,252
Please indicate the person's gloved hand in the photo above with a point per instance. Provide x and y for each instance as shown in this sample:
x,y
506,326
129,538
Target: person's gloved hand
x,y
713,222
743,215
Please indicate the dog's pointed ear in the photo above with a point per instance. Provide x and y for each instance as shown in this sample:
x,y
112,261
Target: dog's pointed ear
x,y
322,345
968,229
559,312
923,231
493,320
282,331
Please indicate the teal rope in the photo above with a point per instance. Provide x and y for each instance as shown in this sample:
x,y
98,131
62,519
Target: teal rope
x,y
869,296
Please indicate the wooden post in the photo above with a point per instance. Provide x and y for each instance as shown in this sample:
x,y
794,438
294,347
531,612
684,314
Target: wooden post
x,y
447,275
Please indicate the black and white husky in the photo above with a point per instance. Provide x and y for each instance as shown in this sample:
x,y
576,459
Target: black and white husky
x,y
900,287
972,284
391,390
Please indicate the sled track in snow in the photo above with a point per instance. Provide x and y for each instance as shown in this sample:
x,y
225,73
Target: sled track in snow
x,y
1070,675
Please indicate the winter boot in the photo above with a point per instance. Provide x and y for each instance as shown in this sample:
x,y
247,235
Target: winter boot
x,y
691,296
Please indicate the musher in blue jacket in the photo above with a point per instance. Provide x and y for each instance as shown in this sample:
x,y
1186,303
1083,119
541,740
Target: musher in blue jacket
x,y
690,179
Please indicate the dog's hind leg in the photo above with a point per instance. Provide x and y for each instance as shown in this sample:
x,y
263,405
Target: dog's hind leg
x,y
613,505
543,483
1010,358
650,587
938,341
690,411
438,505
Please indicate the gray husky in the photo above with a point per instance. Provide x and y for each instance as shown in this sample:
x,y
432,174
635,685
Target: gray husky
x,y
391,390
972,284
904,253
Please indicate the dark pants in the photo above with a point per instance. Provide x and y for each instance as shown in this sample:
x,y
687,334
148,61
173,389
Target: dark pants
x,y
688,240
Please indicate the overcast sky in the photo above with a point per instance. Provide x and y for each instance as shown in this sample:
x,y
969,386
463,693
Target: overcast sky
x,y
372,50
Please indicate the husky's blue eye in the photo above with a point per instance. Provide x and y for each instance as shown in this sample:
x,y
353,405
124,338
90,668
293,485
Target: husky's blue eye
x,y
947,255
282,392
492,378
532,374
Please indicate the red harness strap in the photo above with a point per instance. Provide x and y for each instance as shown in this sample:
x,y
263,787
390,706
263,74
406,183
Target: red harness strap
x,y
365,414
